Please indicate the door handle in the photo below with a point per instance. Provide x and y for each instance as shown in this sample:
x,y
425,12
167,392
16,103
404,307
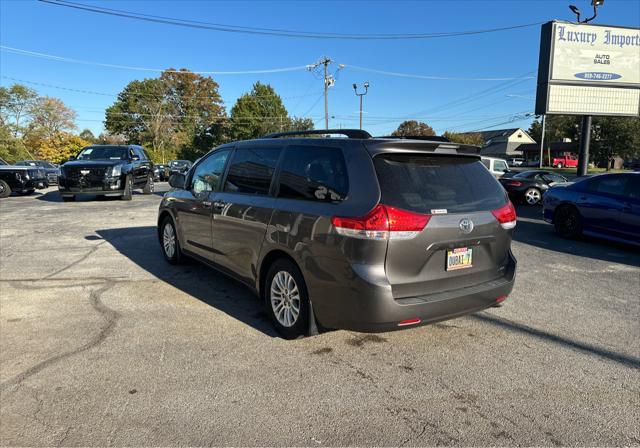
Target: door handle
x,y
219,205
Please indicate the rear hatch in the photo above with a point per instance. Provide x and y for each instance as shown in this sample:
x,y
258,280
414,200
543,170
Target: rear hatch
x,y
467,237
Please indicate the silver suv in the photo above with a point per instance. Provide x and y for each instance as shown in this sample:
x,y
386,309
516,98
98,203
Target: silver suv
x,y
359,233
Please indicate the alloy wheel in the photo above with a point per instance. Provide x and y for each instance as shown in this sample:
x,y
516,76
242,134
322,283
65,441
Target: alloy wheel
x,y
285,299
169,240
532,196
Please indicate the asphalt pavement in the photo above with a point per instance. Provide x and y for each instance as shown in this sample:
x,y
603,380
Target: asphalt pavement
x,y
103,343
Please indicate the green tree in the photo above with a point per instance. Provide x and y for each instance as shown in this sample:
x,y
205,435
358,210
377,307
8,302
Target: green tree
x,y
50,116
413,128
301,124
257,113
88,136
465,139
615,136
16,105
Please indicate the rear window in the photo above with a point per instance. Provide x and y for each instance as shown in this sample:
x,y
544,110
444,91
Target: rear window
x,y
423,183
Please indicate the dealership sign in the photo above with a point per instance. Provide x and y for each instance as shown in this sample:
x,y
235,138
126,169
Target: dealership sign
x,y
588,70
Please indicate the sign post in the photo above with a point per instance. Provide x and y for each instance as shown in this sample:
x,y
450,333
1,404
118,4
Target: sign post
x,y
588,70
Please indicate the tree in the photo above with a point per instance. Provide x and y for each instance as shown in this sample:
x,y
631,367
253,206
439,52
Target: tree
x,y
615,136
60,146
110,139
166,113
16,104
301,124
257,113
413,128
465,139
88,136
50,116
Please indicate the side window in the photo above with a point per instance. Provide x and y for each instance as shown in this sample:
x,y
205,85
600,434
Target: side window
x,y
608,185
208,173
314,174
251,170
486,163
500,166
633,187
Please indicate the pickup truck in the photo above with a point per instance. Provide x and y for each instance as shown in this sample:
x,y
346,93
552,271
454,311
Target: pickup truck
x,y
561,162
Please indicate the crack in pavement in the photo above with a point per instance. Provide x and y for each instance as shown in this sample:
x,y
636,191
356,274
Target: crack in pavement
x,y
110,318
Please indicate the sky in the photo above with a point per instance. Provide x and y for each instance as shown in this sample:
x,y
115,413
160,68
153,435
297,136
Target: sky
x,y
476,102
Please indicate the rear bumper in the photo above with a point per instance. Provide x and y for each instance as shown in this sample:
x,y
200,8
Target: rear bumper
x,y
370,307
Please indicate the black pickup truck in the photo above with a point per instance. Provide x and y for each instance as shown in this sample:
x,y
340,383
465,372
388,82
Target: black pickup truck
x,y
107,170
20,179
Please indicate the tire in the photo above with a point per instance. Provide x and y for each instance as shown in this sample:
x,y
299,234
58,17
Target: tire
x,y
30,191
169,241
567,222
287,299
559,165
5,189
532,196
149,186
128,188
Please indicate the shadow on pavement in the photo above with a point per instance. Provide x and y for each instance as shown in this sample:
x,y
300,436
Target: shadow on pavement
x,y
562,341
533,230
140,245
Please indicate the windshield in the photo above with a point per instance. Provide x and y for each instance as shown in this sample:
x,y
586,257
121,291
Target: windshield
x,y
103,153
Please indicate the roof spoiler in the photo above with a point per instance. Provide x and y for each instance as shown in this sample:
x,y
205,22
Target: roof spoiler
x,y
349,133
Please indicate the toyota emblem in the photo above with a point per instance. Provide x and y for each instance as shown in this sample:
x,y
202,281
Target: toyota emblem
x,y
466,225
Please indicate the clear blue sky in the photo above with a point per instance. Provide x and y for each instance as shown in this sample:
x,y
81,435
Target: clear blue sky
x,y
55,30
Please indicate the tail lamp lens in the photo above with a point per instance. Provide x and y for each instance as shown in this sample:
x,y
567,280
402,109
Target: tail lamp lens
x,y
382,223
514,183
506,216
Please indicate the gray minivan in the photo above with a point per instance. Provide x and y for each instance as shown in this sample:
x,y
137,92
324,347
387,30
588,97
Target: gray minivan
x,y
359,233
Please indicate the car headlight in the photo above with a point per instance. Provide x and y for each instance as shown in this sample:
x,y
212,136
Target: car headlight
x,y
116,170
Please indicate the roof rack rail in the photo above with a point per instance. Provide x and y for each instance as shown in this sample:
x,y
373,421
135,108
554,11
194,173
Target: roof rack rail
x,y
349,133
432,138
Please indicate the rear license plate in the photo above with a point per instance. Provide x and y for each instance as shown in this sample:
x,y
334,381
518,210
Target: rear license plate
x,y
459,258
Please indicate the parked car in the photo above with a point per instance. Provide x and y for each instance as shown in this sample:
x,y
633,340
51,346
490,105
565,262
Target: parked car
x,y
570,161
107,170
530,186
21,180
515,161
497,167
179,166
606,206
52,172
160,173
358,233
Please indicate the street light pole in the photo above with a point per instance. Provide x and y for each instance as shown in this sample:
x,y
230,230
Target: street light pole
x,y
366,89
542,142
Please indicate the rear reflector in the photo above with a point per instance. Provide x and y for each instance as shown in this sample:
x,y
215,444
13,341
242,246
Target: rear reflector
x,y
409,322
506,216
381,223
501,299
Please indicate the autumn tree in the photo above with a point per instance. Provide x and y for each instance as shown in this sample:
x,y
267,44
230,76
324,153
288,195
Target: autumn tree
x,y
166,114
474,138
60,146
414,128
50,116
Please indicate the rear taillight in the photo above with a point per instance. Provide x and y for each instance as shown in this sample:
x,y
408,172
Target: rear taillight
x,y
506,216
513,183
381,223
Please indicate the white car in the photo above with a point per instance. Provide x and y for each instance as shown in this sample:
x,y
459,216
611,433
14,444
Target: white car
x,y
497,167
515,161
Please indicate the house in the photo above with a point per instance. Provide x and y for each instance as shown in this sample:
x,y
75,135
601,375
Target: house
x,y
503,143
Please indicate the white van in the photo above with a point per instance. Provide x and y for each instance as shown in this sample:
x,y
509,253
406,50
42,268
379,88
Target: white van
x,y
497,167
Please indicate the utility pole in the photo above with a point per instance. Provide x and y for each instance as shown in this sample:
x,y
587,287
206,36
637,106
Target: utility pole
x,y
366,89
542,142
329,81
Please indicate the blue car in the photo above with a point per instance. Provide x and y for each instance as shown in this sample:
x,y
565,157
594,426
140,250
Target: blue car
x,y
605,206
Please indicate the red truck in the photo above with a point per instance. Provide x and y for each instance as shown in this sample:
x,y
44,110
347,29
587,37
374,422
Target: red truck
x,y
563,161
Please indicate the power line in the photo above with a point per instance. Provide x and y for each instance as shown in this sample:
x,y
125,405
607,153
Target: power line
x,y
271,31
432,77
146,69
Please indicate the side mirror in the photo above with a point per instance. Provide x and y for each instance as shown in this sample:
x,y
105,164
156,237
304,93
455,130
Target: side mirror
x,y
177,181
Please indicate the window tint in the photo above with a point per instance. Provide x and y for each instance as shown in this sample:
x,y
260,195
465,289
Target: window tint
x,y
251,170
208,173
314,173
633,186
553,177
422,183
608,185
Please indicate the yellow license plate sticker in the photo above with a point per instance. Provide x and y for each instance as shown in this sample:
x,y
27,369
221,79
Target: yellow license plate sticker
x,y
459,258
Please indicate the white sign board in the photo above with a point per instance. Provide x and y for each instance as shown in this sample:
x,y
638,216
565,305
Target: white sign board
x,y
589,70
